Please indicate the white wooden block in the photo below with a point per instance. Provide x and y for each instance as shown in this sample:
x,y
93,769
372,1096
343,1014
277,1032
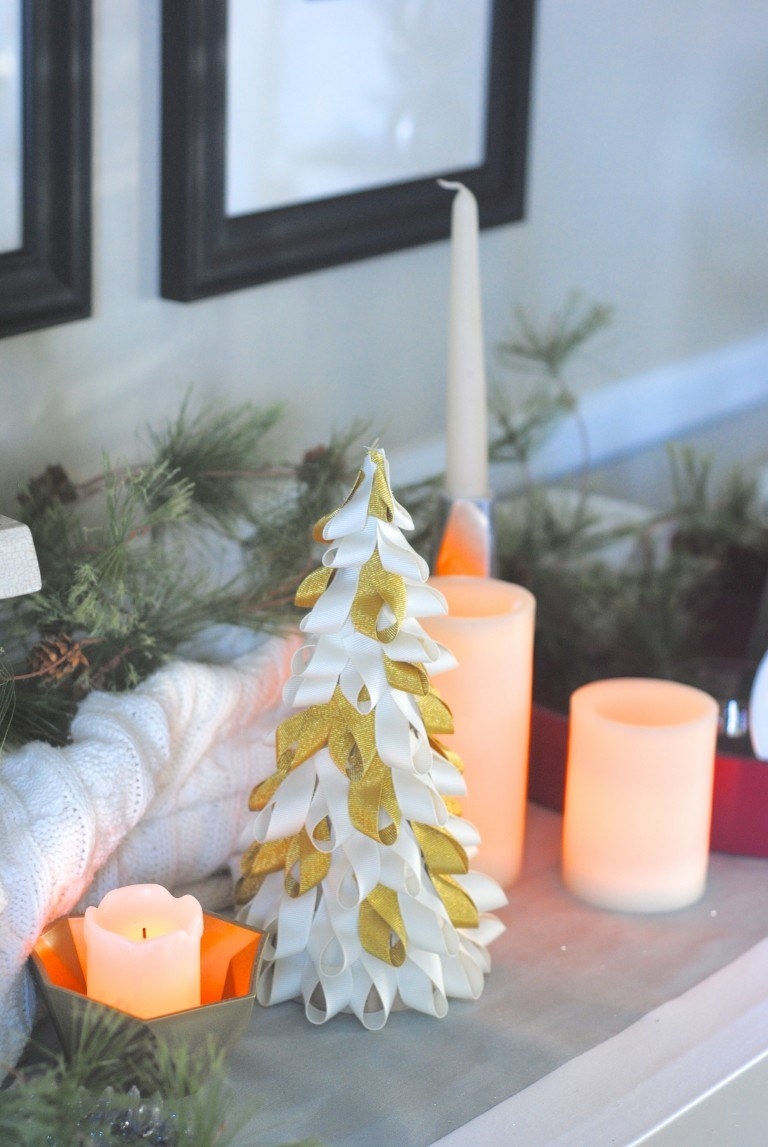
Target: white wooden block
x,y
19,571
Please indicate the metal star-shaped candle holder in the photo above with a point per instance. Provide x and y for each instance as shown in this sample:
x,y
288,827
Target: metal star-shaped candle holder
x,y
229,958
465,538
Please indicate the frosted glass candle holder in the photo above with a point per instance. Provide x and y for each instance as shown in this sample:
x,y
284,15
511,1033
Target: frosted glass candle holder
x,y
638,794
489,629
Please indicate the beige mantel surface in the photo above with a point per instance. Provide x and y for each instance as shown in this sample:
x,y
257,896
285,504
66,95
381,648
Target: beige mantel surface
x,y
675,999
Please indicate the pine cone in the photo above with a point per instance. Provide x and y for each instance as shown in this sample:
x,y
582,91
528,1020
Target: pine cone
x,y
47,489
57,657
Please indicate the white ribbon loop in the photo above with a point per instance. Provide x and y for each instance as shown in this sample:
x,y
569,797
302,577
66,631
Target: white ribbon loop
x,y
294,924
464,831
353,550
419,800
332,609
427,929
365,857
398,874
447,778
420,984
485,892
353,515
397,556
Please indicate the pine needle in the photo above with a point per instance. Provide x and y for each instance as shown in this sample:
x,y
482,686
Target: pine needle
x,y
217,453
121,1086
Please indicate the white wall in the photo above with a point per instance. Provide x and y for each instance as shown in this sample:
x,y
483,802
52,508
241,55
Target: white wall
x,y
648,189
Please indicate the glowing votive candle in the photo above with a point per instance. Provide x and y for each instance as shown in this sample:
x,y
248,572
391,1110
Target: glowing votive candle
x,y
143,950
489,629
638,796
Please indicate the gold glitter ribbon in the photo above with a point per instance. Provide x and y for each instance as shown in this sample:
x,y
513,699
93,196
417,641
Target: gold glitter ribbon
x,y
435,713
313,587
258,861
441,851
372,799
376,588
305,866
406,676
351,740
381,504
460,906
381,927
444,855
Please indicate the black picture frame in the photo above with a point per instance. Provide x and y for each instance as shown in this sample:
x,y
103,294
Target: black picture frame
x,y
204,252
48,279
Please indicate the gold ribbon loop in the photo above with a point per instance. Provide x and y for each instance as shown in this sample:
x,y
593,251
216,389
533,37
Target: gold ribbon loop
x,y
406,676
381,503
382,931
373,807
377,588
352,740
311,865
435,713
441,851
262,794
257,862
459,905
322,830
313,587
299,737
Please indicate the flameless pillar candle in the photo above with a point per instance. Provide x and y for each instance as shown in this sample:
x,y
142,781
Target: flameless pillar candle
x,y
467,424
489,629
143,951
638,797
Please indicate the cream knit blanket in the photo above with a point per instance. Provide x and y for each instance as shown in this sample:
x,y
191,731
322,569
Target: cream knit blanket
x,y
153,788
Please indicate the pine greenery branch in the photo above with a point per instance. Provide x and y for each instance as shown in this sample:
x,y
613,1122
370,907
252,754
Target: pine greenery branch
x,y
119,1088
594,621
713,518
543,353
218,454
550,347
42,712
140,559
280,551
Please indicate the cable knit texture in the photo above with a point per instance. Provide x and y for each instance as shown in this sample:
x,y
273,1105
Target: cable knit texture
x,y
153,788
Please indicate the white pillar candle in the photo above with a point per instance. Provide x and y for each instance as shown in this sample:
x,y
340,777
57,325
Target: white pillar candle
x,y
467,420
638,795
143,951
489,629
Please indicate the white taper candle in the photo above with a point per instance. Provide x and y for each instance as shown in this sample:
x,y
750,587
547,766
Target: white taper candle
x,y
467,421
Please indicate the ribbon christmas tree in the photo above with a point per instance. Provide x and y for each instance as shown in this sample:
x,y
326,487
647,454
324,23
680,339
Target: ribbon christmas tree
x,y
356,866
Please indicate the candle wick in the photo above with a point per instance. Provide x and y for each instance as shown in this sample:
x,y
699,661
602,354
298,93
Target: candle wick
x,y
143,933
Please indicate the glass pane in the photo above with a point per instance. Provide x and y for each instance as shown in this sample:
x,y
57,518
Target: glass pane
x,y
327,97
10,126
